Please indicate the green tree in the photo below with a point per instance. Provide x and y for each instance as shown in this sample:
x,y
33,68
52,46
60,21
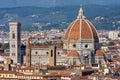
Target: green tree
x,y
111,44
6,46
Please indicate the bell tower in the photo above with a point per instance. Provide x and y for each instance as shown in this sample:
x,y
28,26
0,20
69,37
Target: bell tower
x,y
52,56
28,53
15,45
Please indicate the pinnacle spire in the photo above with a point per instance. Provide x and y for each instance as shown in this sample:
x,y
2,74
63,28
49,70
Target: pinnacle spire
x,y
81,13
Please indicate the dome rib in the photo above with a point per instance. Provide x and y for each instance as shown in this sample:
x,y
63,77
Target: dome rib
x,y
86,33
73,35
95,32
66,36
80,28
90,28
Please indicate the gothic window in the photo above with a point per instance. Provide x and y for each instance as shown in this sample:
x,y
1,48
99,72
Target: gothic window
x,y
51,53
13,54
13,35
13,46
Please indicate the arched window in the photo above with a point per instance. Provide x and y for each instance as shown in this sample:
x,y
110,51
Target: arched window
x,y
13,54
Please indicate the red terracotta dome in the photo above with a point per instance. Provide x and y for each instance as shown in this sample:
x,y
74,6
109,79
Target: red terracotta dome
x,y
99,53
81,28
73,53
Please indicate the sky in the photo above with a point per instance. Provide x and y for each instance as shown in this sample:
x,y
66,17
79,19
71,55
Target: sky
x,y
48,3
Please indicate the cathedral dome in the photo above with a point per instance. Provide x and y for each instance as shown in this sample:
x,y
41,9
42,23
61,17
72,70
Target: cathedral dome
x,y
81,29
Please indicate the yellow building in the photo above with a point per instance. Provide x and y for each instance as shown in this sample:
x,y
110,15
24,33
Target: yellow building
x,y
16,75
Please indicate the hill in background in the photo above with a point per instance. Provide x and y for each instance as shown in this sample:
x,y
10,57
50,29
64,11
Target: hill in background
x,y
105,17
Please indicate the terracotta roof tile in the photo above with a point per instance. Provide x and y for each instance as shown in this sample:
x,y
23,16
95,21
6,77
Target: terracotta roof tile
x,y
64,74
4,54
53,74
99,53
81,29
73,53
27,68
86,31
115,59
7,72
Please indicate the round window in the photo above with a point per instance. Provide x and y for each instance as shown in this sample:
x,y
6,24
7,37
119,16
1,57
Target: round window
x,y
58,53
74,45
86,46
47,53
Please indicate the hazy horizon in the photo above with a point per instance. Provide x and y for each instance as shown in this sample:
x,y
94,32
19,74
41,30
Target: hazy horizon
x,y
53,3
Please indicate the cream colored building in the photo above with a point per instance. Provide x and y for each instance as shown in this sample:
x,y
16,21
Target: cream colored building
x,y
40,55
113,35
